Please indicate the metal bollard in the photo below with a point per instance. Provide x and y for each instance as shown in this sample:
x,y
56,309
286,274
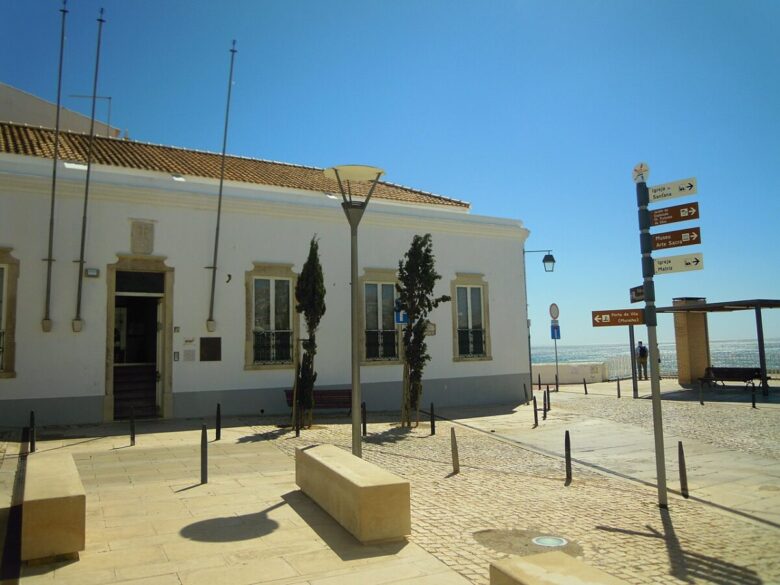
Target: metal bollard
x,y
585,385
754,404
536,414
32,427
549,402
525,391
204,456
544,406
618,387
433,421
556,382
701,393
683,472
455,458
567,448
132,426
540,381
363,417
219,421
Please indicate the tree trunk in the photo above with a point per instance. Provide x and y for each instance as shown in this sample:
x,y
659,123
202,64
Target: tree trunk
x,y
405,399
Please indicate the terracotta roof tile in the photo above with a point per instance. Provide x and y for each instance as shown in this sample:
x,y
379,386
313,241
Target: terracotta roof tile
x,y
32,141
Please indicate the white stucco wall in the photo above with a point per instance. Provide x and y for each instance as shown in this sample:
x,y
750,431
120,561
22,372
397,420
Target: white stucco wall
x,y
259,224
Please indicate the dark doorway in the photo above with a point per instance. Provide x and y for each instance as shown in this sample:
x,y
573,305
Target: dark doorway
x,y
136,370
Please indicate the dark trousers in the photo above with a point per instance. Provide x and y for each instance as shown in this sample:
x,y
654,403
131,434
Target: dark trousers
x,y
642,361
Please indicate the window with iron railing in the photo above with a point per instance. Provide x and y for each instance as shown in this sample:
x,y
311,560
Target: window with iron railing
x,y
471,333
272,336
381,334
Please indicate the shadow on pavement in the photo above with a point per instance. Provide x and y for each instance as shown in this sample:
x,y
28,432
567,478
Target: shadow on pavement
x,y
341,542
691,566
232,528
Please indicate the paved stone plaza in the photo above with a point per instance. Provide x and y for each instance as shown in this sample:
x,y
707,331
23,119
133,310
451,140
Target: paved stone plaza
x,y
150,520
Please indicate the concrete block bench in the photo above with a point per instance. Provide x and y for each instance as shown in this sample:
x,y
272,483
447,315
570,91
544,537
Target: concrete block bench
x,y
551,568
54,507
371,503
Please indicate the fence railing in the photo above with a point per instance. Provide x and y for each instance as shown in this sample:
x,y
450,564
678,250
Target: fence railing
x,y
381,344
471,342
272,347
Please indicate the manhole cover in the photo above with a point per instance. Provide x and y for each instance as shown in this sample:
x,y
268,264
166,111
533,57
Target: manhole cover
x,y
550,541
524,542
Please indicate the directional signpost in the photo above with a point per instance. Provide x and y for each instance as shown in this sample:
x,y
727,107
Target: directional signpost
x,y
674,214
681,263
672,190
637,294
677,238
618,317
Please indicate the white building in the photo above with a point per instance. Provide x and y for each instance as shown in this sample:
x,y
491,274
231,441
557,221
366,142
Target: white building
x,y
146,288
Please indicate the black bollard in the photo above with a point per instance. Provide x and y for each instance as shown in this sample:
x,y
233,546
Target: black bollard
x,y
525,391
585,385
536,414
32,427
540,381
549,402
567,447
701,393
219,421
544,408
618,387
132,426
204,456
433,421
754,405
683,472
556,382
363,417
298,421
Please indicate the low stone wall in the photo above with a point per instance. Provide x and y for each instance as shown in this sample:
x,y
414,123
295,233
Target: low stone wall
x,y
571,373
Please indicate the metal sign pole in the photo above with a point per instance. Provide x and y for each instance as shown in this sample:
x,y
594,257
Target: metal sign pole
x,y
641,172
633,360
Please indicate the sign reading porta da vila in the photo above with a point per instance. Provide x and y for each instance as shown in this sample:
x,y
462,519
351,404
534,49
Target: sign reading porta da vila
x,y
618,317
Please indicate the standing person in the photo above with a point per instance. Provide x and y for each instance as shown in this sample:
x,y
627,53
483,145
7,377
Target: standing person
x,y
641,354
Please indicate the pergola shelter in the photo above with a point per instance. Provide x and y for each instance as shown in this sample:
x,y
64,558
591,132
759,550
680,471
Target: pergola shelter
x,y
692,336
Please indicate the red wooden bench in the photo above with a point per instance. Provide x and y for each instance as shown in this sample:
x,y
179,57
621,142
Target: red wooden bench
x,y
336,398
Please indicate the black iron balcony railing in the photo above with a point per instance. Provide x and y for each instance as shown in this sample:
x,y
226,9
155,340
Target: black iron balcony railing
x,y
381,344
272,347
471,342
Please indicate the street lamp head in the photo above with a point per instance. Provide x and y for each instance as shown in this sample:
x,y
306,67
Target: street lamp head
x,y
549,262
353,173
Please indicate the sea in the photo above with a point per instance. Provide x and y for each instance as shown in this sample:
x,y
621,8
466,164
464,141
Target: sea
x,y
723,353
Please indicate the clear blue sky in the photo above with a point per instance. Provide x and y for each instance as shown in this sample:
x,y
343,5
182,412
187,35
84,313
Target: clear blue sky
x,y
535,110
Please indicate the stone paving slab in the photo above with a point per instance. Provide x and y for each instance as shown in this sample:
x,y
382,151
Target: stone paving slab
x,y
149,520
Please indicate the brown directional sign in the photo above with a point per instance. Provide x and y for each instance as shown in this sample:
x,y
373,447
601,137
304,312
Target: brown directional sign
x,y
689,237
674,214
618,317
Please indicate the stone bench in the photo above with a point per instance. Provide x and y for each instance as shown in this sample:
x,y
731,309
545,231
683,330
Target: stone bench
x,y
550,568
53,507
371,503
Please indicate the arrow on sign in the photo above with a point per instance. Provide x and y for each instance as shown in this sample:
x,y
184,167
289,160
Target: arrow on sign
x,y
688,187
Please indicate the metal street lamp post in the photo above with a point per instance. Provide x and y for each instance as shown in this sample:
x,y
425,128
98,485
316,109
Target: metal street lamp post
x,y
345,175
549,265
